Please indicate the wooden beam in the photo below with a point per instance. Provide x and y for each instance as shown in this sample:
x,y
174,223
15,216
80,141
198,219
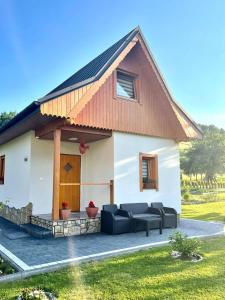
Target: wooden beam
x,y
56,174
87,130
111,191
51,126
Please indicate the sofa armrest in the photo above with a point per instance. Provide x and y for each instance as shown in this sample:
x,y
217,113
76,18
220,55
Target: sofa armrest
x,y
170,210
153,210
123,213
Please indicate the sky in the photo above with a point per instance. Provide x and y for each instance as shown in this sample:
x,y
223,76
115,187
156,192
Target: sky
x,y
43,42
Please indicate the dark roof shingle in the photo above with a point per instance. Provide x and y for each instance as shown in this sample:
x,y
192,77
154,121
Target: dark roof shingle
x,y
95,68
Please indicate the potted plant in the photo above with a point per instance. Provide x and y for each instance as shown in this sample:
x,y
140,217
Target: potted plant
x,y
91,210
65,212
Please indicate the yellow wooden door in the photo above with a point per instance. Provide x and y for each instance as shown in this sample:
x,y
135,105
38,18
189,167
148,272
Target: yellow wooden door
x,y
70,173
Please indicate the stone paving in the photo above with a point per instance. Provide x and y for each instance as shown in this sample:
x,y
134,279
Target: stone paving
x,y
33,251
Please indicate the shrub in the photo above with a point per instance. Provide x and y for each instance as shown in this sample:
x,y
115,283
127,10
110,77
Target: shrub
x,y
186,196
5,268
187,248
32,294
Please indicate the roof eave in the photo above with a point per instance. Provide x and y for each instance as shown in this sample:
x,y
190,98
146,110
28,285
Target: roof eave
x,y
33,107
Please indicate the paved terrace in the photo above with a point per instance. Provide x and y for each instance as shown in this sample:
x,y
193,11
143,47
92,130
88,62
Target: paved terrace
x,y
31,253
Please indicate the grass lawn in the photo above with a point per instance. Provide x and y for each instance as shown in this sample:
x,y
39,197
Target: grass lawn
x,y
149,274
214,196
212,211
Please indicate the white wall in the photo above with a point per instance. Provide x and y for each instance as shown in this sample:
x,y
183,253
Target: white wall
x,y
116,157
126,154
17,171
96,166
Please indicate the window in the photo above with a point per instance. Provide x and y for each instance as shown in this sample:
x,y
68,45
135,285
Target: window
x,y
125,85
148,171
2,169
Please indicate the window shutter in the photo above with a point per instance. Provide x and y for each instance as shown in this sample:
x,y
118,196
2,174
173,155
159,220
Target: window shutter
x,y
125,85
144,168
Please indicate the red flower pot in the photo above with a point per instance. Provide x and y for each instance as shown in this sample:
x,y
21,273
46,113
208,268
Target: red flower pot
x,y
92,212
64,214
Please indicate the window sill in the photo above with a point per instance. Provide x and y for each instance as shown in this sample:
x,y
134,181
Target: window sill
x,y
130,100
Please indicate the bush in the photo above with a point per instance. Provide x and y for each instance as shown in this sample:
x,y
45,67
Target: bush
x,y
32,294
5,268
187,248
186,196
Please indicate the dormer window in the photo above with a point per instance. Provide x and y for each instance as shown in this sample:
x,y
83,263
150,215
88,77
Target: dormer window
x,y
125,85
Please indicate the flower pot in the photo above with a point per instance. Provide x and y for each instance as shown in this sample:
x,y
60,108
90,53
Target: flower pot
x,y
64,214
92,212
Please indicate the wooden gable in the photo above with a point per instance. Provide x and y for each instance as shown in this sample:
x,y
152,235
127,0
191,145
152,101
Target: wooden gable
x,y
151,114
96,105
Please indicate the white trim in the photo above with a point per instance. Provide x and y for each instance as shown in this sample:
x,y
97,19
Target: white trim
x,y
22,265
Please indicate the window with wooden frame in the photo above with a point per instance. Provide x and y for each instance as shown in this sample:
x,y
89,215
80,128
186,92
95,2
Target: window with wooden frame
x,y
2,169
148,171
125,85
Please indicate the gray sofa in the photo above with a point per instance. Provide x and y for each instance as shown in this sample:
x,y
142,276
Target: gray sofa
x,y
141,210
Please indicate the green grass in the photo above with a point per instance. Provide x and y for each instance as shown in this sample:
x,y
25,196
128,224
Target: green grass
x,y
150,274
212,211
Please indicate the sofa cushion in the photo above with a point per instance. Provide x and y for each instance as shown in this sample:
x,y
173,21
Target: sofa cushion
x,y
146,216
169,215
135,208
120,218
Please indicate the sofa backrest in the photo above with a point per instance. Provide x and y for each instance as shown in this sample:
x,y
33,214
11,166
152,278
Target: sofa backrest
x,y
157,205
135,208
110,207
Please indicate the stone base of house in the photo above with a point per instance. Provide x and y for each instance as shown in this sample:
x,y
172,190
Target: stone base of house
x,y
16,215
76,226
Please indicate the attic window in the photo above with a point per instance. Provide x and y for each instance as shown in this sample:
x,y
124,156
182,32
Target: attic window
x,y
125,85
2,169
148,171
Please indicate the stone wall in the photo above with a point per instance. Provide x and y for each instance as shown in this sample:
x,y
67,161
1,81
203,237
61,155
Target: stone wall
x,y
62,228
16,215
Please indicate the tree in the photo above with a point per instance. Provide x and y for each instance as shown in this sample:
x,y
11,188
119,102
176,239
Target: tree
x,y
206,156
6,117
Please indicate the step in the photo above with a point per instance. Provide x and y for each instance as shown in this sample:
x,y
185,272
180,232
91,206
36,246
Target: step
x,y
36,231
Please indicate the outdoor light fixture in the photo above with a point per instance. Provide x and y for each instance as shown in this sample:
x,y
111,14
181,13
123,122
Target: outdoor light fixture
x,y
73,139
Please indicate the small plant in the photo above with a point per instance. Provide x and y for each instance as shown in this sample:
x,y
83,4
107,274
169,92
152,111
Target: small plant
x,y
186,248
91,210
65,205
5,268
186,196
33,294
91,204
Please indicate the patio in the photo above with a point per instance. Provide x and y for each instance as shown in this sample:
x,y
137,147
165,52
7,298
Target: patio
x,y
31,254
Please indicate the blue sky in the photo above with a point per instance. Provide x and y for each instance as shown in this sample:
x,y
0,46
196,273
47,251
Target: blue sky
x,y
42,42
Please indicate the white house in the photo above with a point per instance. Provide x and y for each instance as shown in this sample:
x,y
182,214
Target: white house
x,y
119,106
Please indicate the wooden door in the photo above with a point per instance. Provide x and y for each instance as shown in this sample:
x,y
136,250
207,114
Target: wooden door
x,y
70,173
